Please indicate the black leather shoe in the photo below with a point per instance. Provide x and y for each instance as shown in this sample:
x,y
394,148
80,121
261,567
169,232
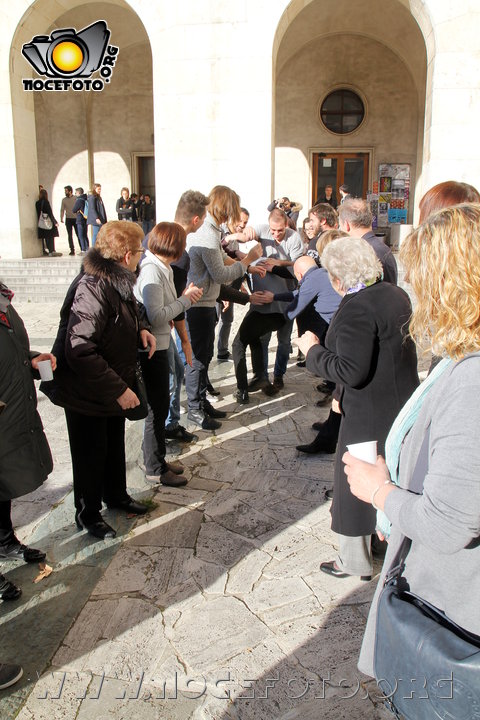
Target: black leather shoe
x,y
278,383
203,421
269,389
224,357
14,550
257,383
325,387
211,389
181,434
99,529
8,591
130,506
241,396
329,495
330,569
212,412
325,400
319,445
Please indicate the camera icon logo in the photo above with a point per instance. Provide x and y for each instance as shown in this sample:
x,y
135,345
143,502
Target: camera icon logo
x,y
67,53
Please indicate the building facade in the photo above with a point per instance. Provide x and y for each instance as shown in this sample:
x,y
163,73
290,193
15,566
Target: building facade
x,y
206,92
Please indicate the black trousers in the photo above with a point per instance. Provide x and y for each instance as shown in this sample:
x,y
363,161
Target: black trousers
x,y
156,375
201,328
71,224
6,527
253,326
97,447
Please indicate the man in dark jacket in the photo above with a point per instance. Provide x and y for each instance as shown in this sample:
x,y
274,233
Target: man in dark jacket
x,y
356,219
81,212
147,214
25,458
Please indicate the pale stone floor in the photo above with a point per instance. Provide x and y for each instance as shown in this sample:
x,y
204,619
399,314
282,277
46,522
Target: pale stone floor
x,y
211,606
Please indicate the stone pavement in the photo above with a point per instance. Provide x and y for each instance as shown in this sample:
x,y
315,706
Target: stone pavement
x,y
212,606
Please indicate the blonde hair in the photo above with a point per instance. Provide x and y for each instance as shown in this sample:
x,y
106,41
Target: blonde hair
x,y
116,237
442,262
224,205
327,237
351,260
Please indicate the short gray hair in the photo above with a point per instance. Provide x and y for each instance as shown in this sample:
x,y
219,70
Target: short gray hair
x,y
356,212
351,260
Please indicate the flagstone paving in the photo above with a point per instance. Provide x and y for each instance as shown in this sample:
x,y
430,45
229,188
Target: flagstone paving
x,y
212,606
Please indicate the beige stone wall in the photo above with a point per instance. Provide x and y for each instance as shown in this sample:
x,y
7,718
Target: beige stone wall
x,y
368,67
213,96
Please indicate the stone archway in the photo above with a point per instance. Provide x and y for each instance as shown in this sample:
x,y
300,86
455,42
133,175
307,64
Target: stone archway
x,y
67,137
377,48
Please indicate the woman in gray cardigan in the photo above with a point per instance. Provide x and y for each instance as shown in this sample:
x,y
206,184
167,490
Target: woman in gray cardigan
x,y
429,486
155,290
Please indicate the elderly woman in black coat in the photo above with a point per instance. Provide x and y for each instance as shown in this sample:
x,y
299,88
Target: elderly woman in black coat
x,y
97,344
25,458
367,352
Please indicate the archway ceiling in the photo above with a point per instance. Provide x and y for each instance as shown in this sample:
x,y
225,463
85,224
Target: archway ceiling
x,y
124,24
387,21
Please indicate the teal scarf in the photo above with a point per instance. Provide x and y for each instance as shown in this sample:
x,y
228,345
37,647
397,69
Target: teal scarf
x,y
401,426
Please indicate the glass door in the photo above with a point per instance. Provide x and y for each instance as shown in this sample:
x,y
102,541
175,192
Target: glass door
x,y
337,169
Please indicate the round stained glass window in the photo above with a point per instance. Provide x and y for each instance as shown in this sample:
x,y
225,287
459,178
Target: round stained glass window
x,y
342,111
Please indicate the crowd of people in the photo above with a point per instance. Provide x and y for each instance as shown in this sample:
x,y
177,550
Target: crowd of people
x,y
356,330
84,214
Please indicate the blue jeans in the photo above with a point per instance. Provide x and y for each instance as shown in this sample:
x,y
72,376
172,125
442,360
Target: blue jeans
x,y
147,225
176,374
95,229
283,349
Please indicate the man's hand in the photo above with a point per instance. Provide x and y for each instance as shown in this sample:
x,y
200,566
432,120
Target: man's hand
x,y
249,234
261,298
193,292
257,270
187,351
128,400
147,339
269,263
254,253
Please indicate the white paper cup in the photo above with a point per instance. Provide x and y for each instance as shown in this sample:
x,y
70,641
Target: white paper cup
x,y
45,369
366,451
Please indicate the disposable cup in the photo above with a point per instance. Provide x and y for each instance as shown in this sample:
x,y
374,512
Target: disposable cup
x,y
366,451
45,369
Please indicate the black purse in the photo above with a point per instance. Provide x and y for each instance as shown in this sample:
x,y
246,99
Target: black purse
x,y
141,411
425,665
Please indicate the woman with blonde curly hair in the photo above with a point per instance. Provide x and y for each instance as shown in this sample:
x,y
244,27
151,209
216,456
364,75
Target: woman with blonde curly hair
x,y
428,488
367,354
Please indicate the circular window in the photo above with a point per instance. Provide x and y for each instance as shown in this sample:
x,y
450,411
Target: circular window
x,y
342,111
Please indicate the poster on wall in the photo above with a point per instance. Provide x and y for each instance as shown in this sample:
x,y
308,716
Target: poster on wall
x,y
393,194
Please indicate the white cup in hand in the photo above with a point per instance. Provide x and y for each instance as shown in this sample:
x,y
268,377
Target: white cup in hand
x,y
366,451
45,369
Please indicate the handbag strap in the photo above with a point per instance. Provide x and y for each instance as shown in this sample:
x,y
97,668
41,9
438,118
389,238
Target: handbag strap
x,y
398,564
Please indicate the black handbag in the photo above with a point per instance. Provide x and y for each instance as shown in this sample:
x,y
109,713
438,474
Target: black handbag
x,y
426,666
141,411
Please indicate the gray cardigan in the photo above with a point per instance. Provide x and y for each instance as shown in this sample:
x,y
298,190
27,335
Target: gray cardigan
x,y
207,268
155,289
443,565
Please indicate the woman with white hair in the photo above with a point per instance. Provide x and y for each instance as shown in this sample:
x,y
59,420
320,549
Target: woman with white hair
x,y
366,352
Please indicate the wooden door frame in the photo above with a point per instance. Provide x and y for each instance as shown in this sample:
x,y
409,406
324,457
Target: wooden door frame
x,y
134,171
369,151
